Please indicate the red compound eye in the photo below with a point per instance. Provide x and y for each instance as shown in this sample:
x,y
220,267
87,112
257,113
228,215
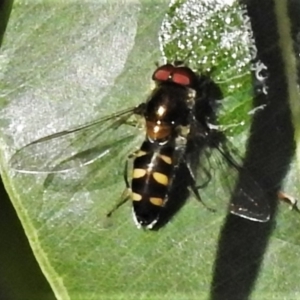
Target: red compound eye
x,y
180,75
183,76
163,73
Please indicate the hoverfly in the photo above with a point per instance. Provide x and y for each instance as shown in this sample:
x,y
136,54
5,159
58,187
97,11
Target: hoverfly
x,y
179,118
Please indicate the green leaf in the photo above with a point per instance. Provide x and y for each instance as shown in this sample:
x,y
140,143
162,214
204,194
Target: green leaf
x,y
68,63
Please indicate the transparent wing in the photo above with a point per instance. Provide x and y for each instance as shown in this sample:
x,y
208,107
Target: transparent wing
x,y
76,147
221,165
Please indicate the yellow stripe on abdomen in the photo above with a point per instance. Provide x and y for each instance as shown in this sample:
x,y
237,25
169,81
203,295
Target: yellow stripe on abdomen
x,y
136,197
156,201
138,173
161,178
166,159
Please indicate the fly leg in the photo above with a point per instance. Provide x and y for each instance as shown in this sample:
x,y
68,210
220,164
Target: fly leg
x,y
203,185
124,199
195,188
197,195
291,201
125,175
126,193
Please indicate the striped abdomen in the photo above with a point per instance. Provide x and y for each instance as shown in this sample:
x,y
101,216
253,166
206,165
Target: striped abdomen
x,y
151,178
